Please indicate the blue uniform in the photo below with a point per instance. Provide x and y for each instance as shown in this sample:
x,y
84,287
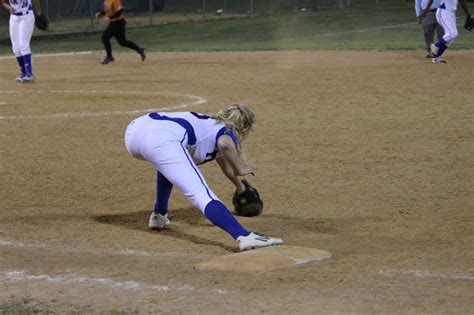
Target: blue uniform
x,y
22,22
175,143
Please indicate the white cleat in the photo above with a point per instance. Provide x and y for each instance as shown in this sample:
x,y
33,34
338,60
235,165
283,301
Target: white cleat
x,y
256,240
438,60
434,49
158,222
19,78
29,78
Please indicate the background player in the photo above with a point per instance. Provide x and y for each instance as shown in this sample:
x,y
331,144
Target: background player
x,y
22,24
113,14
428,23
446,16
176,142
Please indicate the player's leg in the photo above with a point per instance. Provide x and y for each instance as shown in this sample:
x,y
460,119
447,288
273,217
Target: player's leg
x,y
185,175
106,36
27,24
439,30
159,217
14,29
123,41
447,19
428,24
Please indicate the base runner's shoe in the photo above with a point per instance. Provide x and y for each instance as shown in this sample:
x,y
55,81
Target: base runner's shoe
x,y
438,60
256,240
158,222
19,78
142,53
29,78
434,49
107,60
429,54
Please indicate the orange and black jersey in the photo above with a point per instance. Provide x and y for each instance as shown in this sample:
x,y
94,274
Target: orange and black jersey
x,y
113,9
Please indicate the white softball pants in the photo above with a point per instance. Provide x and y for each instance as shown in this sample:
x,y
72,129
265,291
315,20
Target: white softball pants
x,y
21,30
163,143
447,19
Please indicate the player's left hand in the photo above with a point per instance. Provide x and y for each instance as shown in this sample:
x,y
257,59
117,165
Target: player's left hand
x,y
247,203
469,23
41,22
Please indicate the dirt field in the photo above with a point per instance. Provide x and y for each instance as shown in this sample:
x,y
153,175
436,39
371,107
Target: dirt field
x,y
368,155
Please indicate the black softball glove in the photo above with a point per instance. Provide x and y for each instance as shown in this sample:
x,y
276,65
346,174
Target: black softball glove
x,y
469,23
248,203
41,22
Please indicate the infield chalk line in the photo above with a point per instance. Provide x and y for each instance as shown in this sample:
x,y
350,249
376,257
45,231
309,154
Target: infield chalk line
x,y
197,101
57,54
430,274
73,278
99,252
361,30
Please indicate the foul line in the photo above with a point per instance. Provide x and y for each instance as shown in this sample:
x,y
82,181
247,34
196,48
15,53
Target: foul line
x,y
56,54
198,101
361,30
430,274
20,275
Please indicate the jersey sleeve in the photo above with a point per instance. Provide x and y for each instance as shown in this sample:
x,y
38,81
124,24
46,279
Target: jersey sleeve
x,y
227,132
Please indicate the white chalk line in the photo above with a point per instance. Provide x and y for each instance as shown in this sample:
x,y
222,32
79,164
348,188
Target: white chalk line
x,y
74,278
430,274
57,54
197,101
362,30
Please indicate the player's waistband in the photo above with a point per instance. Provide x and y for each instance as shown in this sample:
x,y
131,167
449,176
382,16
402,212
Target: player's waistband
x,y
182,122
21,13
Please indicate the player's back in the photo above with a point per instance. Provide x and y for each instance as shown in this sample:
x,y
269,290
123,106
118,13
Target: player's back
x,y
202,131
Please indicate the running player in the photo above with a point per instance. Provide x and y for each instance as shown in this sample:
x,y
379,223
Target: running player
x,y
113,14
22,24
175,143
446,16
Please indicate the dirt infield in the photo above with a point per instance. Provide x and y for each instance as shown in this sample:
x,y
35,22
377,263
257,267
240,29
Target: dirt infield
x,y
368,155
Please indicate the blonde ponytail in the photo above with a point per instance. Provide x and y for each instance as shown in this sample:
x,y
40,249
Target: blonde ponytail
x,y
237,118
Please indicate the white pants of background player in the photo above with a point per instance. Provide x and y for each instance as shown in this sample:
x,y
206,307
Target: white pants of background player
x,y
163,144
21,30
447,19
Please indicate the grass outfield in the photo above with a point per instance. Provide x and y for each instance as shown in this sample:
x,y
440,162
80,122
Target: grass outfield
x,y
337,29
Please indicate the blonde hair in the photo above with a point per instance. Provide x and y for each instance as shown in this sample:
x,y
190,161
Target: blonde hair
x,y
237,117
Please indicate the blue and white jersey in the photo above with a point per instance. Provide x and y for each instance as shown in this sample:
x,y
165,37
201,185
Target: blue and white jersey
x,y
420,5
451,5
202,132
21,6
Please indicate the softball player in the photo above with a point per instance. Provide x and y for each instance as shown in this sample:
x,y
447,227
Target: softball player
x,y
112,13
175,143
22,23
446,16
428,23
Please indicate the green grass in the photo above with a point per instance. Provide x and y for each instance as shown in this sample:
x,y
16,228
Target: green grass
x,y
22,307
339,29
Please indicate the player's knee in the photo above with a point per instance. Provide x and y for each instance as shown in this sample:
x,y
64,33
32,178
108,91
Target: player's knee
x,y
451,37
23,51
122,42
199,200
